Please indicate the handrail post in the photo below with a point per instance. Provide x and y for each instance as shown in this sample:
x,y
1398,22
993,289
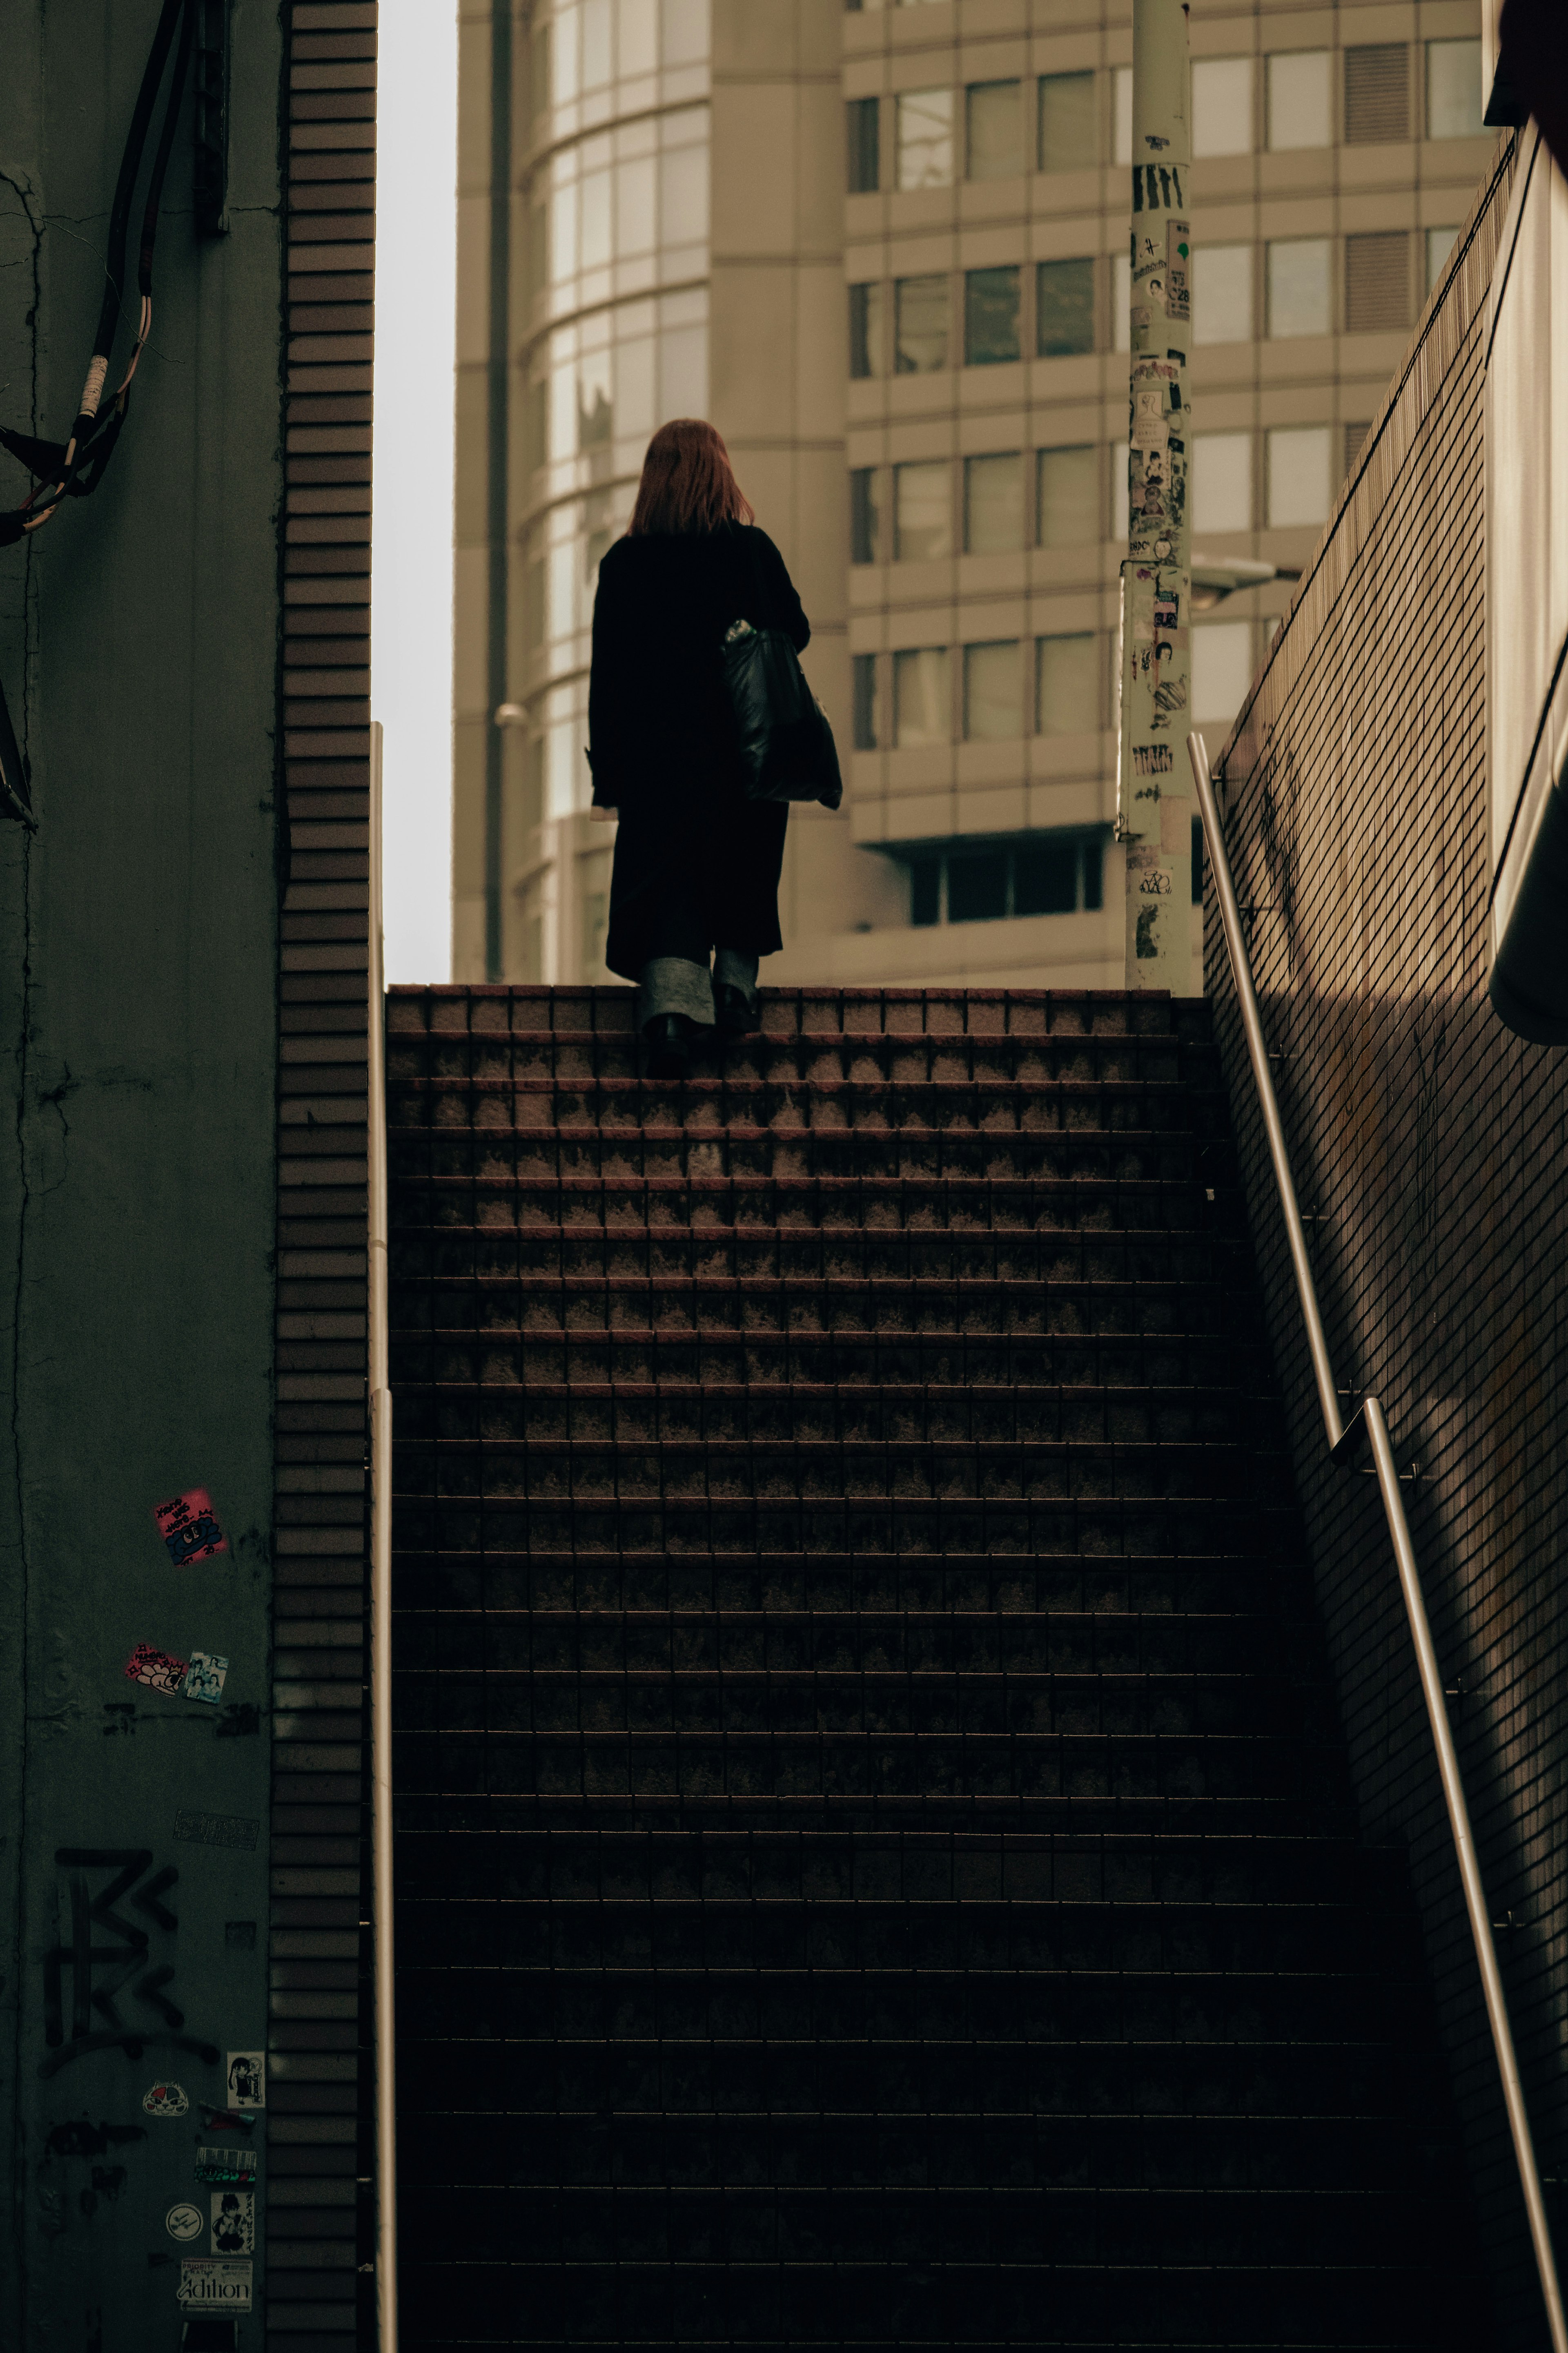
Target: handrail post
x,y
380,1601
1371,1415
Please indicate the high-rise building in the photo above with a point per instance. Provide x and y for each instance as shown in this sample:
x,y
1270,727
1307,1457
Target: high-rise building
x,y
884,248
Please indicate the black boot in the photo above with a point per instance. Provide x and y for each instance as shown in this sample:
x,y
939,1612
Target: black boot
x,y
669,1036
736,1015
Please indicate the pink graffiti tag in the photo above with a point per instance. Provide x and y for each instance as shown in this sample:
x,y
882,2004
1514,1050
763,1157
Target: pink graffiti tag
x,y
188,1526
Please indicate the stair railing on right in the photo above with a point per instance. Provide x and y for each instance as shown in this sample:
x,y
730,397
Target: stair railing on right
x,y
1344,1440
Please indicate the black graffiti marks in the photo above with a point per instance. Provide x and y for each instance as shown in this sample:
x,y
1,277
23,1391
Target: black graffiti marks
x,y
103,1971
1157,187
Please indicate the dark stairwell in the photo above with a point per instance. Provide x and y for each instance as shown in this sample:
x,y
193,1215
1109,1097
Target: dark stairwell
x,y
875,1866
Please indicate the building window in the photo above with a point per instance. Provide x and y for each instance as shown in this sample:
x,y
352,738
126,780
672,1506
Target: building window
x,y
1121,117
1454,90
865,145
1221,671
920,325
1222,481
1377,93
991,305
994,130
1222,106
1439,246
1064,307
1067,685
1300,284
865,516
976,886
865,682
993,692
984,882
924,139
1066,504
993,504
1119,492
867,356
1121,302
922,708
1301,475
1377,281
1066,127
923,512
1222,294
1300,99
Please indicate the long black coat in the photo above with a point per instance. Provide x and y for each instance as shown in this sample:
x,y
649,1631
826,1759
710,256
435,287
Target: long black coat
x,y
696,865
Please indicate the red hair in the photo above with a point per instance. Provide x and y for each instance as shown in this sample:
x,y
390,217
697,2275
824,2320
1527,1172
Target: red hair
x,y
688,482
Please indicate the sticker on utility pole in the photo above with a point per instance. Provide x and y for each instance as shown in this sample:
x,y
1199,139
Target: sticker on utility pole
x,y
225,2164
183,2222
1178,264
247,2078
234,2221
188,1526
164,2100
215,2283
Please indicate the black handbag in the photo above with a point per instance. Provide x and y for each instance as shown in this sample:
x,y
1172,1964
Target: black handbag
x,y
787,751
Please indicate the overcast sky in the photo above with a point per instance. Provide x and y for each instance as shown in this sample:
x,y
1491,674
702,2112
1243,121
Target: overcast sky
x,y
411,645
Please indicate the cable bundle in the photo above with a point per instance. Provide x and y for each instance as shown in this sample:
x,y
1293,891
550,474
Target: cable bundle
x,y
74,469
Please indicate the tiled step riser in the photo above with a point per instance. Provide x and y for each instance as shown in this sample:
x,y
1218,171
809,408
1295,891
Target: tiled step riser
x,y
823,1416
524,1256
1013,1204
990,1470
785,1641
1092,2010
465,1364
805,1764
1106,2225
454,1584
908,1155
882,1525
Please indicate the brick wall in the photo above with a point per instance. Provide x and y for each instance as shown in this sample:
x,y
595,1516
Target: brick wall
x,y
1428,1143
319,2139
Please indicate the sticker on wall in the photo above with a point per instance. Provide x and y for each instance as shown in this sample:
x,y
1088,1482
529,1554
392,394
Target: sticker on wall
x,y
164,2100
205,1676
247,2078
215,2118
183,2222
225,2165
159,1669
188,1526
234,2221
215,2283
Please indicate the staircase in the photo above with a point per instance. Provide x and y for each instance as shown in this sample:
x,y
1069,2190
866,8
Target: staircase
x,y
875,1862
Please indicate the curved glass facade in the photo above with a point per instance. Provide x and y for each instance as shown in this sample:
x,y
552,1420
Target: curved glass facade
x,y
615,196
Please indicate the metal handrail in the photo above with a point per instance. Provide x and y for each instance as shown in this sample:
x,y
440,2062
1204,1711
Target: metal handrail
x,y
381,1603
1343,1440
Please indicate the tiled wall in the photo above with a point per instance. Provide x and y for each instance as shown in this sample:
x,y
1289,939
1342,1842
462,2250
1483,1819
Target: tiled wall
x,y
320,2229
1427,1146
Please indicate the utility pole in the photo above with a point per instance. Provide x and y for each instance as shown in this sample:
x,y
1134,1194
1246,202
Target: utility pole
x,y
1154,805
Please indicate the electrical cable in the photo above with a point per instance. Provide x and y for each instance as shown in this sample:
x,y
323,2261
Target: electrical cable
x,y
74,469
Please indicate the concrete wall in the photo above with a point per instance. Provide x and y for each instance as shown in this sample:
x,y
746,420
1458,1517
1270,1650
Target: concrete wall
x,y
138,647
1428,1144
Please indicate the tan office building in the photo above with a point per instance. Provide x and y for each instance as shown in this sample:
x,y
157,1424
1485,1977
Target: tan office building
x,y
885,248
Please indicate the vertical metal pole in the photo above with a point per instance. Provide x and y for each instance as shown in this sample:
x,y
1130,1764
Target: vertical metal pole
x,y
1155,810
381,1607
